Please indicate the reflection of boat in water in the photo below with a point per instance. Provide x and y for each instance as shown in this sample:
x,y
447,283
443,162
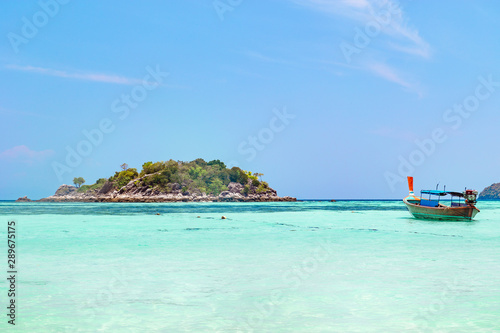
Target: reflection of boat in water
x,y
439,208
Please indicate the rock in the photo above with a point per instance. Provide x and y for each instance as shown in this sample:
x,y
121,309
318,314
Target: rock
x,y
175,186
235,187
333,200
491,192
23,199
107,187
65,190
137,191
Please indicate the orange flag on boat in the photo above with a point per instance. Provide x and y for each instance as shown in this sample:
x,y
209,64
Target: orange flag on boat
x,y
410,183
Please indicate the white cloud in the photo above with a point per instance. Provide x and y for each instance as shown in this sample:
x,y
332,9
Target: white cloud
x,y
350,8
260,56
25,155
96,77
393,75
403,37
388,73
395,37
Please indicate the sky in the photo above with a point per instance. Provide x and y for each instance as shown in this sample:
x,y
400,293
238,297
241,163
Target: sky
x,y
328,99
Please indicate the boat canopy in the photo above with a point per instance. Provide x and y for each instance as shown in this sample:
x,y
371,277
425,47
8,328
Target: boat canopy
x,y
441,193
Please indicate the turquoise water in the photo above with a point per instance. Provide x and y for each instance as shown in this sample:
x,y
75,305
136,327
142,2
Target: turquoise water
x,y
348,266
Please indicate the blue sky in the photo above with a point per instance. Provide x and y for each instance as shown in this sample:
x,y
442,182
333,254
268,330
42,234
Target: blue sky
x,y
329,99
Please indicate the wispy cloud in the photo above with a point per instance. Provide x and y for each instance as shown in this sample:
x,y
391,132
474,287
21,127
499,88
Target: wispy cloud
x,y
264,58
395,38
350,8
24,113
394,75
86,76
384,71
403,37
25,155
379,69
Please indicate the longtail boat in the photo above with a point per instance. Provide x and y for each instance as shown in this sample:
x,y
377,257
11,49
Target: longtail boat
x,y
461,205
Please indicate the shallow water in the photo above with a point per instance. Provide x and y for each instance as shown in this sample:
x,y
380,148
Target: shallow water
x,y
348,266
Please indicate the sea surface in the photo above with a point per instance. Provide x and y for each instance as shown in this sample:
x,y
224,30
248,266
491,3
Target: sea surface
x,y
346,266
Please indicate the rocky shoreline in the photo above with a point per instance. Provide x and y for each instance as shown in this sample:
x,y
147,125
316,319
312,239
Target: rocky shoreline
x,y
133,193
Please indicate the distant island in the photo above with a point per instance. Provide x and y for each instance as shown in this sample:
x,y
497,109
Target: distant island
x,y
172,181
491,192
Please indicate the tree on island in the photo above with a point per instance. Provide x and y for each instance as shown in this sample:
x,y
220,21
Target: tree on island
x,y
217,163
78,181
258,174
124,166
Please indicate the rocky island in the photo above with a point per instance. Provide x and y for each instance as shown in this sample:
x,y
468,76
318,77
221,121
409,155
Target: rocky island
x,y
491,192
173,181
23,199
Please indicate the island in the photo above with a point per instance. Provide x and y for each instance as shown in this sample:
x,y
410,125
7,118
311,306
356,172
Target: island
x,y
172,181
491,192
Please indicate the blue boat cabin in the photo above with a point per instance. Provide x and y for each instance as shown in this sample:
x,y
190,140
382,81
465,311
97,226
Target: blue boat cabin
x,y
429,203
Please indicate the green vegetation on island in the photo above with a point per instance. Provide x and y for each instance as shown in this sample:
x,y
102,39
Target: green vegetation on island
x,y
195,177
97,186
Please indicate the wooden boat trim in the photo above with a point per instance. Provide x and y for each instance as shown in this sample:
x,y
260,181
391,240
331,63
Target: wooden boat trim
x,y
450,213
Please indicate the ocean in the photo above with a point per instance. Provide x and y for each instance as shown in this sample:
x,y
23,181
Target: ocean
x,y
313,266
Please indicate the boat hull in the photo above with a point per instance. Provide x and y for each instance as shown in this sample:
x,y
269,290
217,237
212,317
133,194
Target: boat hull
x,y
440,213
